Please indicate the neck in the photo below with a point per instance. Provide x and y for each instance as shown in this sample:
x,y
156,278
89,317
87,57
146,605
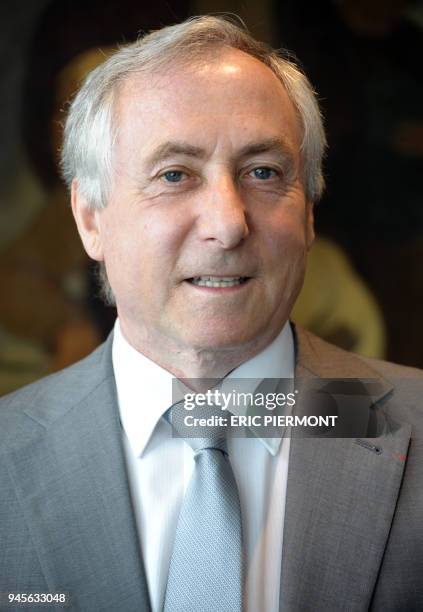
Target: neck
x,y
195,366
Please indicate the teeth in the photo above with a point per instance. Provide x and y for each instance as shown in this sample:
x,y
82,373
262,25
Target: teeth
x,y
215,281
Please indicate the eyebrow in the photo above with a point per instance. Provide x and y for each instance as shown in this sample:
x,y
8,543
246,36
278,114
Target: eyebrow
x,y
269,145
172,148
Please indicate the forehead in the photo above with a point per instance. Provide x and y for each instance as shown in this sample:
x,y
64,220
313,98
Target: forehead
x,y
228,95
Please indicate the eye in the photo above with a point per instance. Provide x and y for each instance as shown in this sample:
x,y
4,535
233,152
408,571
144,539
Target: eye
x,y
173,176
263,173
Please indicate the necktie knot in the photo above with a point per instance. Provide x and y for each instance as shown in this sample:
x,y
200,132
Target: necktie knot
x,y
202,428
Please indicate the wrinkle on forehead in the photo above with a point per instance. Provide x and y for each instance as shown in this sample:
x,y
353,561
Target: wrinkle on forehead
x,y
218,65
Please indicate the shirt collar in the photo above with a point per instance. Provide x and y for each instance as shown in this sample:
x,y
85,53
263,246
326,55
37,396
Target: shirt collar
x,y
144,388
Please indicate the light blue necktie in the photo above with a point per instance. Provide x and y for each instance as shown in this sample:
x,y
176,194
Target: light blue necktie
x,y
206,567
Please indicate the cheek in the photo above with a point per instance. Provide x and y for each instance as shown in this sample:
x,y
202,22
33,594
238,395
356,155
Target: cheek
x,y
292,249
287,263
141,253
287,246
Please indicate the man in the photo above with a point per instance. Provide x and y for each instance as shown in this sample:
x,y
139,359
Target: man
x,y
194,160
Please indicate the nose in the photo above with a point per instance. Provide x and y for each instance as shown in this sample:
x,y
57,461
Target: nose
x,y
223,216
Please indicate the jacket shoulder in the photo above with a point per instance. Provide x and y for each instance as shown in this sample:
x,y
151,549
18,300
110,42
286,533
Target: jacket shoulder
x,y
323,358
49,398
394,370
401,387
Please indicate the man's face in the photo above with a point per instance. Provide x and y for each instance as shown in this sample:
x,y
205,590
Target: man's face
x,y
206,184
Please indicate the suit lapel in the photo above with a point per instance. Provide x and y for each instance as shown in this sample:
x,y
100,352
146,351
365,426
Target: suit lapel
x,y
72,484
340,502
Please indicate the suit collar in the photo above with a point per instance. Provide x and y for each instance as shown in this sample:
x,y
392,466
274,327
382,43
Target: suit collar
x,y
317,358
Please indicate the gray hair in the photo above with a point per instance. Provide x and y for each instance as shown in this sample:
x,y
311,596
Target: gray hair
x,y
90,131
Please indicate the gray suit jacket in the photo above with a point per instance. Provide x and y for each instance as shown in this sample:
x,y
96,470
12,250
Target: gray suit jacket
x,y
353,533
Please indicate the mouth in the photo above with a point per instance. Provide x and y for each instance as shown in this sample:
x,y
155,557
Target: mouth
x,y
218,282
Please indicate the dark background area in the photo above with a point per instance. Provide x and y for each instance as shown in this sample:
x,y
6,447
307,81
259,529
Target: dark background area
x,y
363,58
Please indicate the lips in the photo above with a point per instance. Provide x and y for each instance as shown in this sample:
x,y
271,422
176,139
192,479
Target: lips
x,y
217,281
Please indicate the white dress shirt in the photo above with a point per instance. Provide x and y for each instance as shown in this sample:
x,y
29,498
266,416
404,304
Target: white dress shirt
x,y
160,467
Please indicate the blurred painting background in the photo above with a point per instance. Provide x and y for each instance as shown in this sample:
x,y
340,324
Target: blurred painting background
x,y
364,286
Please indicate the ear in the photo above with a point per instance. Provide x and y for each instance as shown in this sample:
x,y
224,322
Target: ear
x,y
309,221
87,221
